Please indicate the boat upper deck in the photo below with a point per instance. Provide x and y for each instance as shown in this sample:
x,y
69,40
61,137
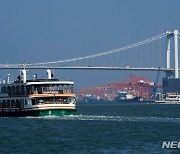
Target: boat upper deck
x,y
37,82
38,87
48,87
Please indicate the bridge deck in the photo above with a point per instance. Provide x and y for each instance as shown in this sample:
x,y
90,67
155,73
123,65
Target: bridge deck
x,y
83,68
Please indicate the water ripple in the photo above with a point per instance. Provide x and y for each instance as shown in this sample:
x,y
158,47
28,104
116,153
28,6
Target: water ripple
x,y
110,118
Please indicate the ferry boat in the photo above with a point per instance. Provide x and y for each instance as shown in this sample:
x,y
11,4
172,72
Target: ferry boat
x,y
37,97
169,98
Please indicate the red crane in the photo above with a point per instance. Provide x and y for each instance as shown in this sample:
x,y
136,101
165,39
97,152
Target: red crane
x,y
138,86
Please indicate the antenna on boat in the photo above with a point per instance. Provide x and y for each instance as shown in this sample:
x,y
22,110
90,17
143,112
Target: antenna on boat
x,y
52,74
35,76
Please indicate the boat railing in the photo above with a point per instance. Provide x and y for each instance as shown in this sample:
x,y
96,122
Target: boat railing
x,y
55,102
24,93
57,92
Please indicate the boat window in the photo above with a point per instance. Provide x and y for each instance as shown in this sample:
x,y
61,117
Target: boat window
x,y
3,89
25,102
33,101
23,90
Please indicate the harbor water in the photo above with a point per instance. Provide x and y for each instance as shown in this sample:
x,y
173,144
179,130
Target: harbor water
x,y
96,128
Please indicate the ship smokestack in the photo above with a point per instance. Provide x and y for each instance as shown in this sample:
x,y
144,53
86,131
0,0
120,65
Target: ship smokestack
x,y
49,73
8,80
24,75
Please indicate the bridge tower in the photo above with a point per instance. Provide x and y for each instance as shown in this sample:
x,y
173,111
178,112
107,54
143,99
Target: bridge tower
x,y
176,75
172,84
168,34
168,53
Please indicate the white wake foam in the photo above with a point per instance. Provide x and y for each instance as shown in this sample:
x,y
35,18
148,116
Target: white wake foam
x,y
110,118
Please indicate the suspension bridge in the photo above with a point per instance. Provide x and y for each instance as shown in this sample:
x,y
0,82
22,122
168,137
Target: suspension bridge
x,y
153,54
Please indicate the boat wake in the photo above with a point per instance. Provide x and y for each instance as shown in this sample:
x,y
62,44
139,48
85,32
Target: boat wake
x,y
111,118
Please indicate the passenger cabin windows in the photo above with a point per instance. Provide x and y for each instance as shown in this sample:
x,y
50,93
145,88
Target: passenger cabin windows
x,y
23,90
14,90
49,89
52,100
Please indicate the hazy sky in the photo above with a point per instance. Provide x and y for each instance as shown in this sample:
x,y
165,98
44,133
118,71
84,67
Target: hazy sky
x,y
50,30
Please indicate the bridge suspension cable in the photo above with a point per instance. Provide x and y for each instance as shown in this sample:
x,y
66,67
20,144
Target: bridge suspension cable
x,y
104,53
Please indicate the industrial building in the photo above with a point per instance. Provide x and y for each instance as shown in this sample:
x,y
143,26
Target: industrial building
x,y
171,85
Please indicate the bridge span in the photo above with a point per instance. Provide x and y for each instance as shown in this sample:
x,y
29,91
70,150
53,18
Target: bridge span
x,y
84,68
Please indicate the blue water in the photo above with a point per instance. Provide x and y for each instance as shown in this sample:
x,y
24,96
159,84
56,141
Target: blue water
x,y
96,128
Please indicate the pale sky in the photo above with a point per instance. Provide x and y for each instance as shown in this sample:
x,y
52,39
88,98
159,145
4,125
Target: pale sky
x,y
50,30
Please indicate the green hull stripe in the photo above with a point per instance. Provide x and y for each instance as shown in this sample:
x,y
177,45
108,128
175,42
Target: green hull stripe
x,y
55,112
42,112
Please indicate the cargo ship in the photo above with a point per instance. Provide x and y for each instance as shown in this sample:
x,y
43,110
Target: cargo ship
x,y
126,96
36,97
